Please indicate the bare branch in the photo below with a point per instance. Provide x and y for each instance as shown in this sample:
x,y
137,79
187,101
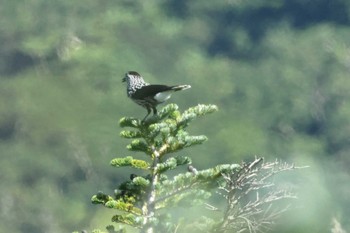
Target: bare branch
x,y
253,199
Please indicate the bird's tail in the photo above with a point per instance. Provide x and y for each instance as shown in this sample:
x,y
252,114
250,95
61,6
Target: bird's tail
x,y
180,87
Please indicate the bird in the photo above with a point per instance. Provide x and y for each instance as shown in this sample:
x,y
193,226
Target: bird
x,y
148,95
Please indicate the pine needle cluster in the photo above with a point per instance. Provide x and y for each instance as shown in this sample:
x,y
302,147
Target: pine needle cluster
x,y
143,201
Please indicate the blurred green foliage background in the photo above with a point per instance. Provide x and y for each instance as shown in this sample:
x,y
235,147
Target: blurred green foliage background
x,y
278,70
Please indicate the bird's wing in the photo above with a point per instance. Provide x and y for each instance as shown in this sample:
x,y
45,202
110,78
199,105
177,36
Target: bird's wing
x,y
150,91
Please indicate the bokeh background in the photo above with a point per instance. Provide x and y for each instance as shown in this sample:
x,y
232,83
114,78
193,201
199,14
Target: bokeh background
x,y
278,71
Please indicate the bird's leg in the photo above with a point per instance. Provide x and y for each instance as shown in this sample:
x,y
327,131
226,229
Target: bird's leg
x,y
148,112
154,111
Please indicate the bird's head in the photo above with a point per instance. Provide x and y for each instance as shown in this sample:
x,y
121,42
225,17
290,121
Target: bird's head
x,y
131,75
132,78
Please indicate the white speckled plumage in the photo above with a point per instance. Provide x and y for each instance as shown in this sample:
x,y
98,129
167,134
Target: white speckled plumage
x,y
147,95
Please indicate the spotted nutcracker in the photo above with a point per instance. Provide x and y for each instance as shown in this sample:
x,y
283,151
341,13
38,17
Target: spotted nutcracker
x,y
148,95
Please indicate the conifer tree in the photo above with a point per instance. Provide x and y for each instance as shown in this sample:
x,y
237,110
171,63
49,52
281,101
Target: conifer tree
x,y
139,200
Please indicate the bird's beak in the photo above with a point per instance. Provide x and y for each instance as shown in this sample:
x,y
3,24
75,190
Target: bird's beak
x,y
124,79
